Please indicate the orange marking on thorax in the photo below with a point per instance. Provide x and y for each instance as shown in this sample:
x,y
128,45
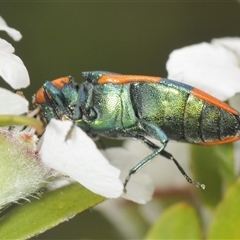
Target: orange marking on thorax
x,y
227,140
122,79
59,82
210,99
40,96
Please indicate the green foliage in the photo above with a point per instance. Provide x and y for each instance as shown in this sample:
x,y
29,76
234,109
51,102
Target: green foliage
x,y
213,166
226,221
178,222
55,207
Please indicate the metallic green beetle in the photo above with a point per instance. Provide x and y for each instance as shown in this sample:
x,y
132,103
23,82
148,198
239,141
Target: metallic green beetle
x,y
131,106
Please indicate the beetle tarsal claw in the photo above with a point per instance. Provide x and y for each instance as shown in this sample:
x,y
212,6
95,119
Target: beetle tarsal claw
x,y
196,184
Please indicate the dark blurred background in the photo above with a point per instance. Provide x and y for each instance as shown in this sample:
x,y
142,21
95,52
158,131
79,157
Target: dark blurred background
x,y
66,38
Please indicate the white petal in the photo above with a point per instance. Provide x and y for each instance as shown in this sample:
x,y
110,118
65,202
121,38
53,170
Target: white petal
x,y
79,158
12,69
58,183
140,188
231,43
211,68
6,47
13,33
11,103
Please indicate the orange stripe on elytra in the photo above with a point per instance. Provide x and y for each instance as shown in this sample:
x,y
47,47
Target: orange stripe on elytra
x,y
59,82
227,140
210,99
121,79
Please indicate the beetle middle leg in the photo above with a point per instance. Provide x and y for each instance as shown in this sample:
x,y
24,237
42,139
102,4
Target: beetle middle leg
x,y
169,156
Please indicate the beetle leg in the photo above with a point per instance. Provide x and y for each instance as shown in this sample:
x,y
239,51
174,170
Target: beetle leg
x,y
81,98
169,156
143,163
70,131
156,132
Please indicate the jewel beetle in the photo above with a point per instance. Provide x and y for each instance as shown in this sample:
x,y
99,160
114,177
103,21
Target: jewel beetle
x,y
132,106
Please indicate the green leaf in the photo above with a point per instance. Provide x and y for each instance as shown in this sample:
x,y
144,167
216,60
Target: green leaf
x,y
225,155
226,222
178,222
213,166
52,209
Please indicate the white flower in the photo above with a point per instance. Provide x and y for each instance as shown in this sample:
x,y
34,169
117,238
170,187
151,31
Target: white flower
x,y
12,69
14,72
79,158
140,188
212,67
13,33
28,163
11,103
